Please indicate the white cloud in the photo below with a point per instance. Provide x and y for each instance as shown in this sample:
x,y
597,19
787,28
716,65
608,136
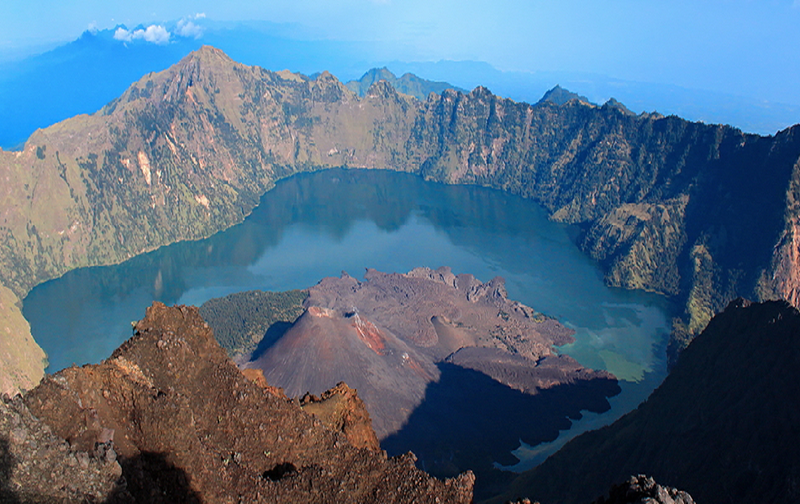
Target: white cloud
x,y
155,34
188,29
200,15
123,35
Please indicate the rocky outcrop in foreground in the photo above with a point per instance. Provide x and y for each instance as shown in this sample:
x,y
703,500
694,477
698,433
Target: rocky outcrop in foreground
x,y
638,489
171,413
642,489
38,466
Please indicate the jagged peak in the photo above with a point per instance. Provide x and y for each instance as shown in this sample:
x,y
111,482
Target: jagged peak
x,y
325,76
377,74
481,91
612,103
381,87
176,79
325,79
560,96
208,53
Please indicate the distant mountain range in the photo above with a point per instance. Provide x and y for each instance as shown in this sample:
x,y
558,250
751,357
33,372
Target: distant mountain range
x,y
84,75
408,84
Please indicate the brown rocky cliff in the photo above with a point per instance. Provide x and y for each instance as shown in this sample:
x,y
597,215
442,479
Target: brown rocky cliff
x,y
781,280
38,466
341,410
188,426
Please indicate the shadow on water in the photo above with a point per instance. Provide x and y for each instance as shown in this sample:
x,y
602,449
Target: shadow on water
x,y
470,421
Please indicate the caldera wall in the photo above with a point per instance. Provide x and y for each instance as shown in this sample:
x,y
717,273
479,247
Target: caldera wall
x,y
689,210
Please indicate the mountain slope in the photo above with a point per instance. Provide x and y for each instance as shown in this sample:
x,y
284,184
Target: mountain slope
x,y
723,425
188,426
698,212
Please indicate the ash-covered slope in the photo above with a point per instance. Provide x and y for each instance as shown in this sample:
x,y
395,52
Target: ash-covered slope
x,y
447,366
723,425
699,212
385,337
187,426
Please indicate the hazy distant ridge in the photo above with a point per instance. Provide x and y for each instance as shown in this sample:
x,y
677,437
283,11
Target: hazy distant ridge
x,y
408,83
69,80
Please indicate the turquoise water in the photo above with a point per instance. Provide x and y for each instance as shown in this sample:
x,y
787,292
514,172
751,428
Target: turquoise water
x,y
320,224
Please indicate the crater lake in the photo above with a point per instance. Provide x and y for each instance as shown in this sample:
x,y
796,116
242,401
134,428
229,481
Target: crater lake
x,y
319,224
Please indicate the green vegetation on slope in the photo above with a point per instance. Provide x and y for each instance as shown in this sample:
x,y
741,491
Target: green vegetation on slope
x,y
23,360
242,320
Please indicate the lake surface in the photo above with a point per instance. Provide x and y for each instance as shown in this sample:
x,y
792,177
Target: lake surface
x,y
320,224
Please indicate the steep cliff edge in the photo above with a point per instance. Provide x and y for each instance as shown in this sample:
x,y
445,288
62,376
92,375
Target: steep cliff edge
x,y
699,212
723,425
187,426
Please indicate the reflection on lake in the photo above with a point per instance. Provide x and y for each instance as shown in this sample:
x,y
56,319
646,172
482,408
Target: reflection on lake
x,y
319,224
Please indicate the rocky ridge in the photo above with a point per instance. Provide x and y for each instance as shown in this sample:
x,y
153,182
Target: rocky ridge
x,y
702,213
641,489
175,417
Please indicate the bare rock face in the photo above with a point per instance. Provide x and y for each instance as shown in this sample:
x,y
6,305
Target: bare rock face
x,y
642,489
37,466
341,410
188,426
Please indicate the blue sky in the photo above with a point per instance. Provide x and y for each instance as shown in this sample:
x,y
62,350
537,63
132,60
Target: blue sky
x,y
745,47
